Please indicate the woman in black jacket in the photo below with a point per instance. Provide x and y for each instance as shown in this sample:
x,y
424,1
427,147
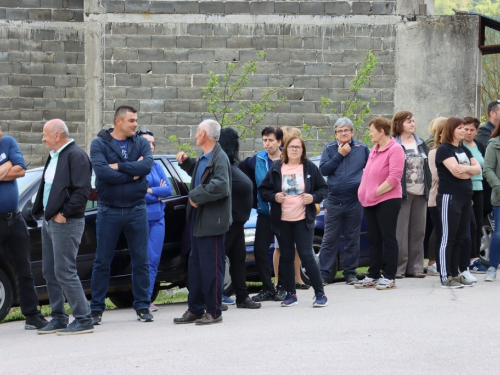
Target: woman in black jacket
x,y
293,186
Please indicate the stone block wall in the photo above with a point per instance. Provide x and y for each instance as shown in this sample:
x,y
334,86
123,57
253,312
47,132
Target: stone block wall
x,y
42,10
156,56
160,67
42,76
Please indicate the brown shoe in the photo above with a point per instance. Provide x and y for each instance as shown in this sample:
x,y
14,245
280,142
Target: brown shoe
x,y
399,276
208,319
187,317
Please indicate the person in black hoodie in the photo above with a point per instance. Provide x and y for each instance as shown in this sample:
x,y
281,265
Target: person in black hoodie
x,y
121,161
62,198
293,185
242,199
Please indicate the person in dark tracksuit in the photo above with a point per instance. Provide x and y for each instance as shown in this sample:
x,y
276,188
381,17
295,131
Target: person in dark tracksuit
x,y
241,203
209,213
455,166
342,163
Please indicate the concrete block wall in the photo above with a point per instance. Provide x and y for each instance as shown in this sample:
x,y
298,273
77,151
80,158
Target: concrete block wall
x,y
160,67
42,76
42,10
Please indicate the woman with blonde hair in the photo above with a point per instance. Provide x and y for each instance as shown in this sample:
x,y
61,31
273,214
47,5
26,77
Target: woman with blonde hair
x,y
437,126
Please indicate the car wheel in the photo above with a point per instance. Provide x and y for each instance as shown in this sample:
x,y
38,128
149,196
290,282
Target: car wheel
x,y
228,282
316,247
6,294
484,250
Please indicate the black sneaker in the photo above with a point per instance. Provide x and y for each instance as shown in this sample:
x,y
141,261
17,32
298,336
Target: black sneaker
x,y
35,322
144,315
351,279
264,295
280,295
248,303
96,317
76,328
55,325
224,307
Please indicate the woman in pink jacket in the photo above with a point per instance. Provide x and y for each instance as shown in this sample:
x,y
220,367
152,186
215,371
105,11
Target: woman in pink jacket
x,y
380,193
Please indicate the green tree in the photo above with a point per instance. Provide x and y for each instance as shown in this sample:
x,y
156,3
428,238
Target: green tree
x,y
225,99
351,106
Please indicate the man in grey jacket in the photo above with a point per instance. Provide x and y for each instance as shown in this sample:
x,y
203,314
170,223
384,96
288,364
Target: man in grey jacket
x,y
209,215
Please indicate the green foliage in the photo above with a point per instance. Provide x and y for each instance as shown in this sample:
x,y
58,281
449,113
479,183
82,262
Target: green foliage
x,y
491,63
352,106
224,95
186,147
225,98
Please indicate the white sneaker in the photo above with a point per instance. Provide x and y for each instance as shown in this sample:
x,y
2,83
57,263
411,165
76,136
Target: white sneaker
x,y
432,270
491,274
466,278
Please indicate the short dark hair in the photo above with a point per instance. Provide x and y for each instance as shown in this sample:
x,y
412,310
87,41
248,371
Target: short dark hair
x,y
398,120
278,133
122,110
452,123
472,120
229,142
284,154
381,123
493,106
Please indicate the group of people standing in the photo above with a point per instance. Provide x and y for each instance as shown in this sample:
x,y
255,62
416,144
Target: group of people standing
x,y
394,185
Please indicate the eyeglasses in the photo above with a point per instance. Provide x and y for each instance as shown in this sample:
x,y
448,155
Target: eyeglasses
x,y
295,148
343,131
145,131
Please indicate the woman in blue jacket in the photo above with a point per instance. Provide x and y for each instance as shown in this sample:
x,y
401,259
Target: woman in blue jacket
x,y
158,188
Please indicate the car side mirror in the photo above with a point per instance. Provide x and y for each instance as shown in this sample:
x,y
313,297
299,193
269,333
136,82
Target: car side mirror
x,y
28,215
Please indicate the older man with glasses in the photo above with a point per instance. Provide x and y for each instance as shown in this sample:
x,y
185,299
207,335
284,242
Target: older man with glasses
x,y
342,163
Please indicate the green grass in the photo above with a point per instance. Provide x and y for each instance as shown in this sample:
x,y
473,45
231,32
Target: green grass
x,y
167,296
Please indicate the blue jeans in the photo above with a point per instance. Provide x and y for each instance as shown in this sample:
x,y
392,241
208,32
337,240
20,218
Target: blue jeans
x,y
495,239
349,217
60,242
109,224
155,247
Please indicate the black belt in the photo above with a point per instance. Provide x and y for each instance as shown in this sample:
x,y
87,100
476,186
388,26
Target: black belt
x,y
8,215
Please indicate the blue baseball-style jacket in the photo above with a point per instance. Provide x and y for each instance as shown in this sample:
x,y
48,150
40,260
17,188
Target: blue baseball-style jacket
x,y
343,173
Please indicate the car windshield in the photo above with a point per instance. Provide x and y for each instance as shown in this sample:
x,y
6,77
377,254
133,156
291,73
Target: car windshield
x,y
28,180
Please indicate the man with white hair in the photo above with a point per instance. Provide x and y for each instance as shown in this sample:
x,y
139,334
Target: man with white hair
x,y
62,199
342,163
209,214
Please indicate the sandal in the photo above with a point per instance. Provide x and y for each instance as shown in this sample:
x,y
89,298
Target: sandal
x,y
301,286
418,275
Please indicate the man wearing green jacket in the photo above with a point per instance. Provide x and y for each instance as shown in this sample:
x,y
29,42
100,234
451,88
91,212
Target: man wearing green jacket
x,y
209,214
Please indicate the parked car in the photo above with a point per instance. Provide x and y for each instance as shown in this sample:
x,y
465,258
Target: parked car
x,y
172,270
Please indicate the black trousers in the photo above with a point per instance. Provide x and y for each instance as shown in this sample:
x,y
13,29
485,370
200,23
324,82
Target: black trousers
x,y
263,238
14,234
296,234
476,231
455,213
234,246
436,221
381,222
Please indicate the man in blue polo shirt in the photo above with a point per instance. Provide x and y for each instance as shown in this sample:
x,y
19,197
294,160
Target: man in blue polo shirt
x,y
14,236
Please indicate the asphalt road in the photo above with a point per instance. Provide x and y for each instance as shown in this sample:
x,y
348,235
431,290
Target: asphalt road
x,y
416,328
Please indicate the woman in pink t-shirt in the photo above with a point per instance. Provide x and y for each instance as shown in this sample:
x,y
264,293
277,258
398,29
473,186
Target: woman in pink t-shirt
x,y
380,193
293,186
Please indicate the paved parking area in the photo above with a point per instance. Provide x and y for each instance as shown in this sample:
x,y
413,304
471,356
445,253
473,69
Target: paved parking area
x,y
416,328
